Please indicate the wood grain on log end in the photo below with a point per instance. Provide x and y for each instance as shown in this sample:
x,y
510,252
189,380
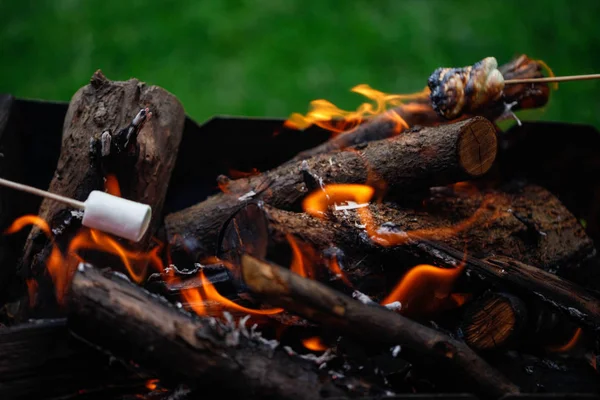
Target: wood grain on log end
x,y
477,147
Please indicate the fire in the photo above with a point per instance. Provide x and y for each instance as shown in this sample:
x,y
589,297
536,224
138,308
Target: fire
x,y
314,343
569,345
334,267
302,258
111,185
152,384
318,202
328,116
425,288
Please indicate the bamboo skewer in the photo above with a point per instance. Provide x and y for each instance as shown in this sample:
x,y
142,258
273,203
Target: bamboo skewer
x,y
42,193
552,79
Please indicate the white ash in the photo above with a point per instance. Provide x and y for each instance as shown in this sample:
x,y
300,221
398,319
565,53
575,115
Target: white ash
x,y
323,358
180,393
121,275
363,298
360,226
396,350
77,214
105,141
242,325
247,196
289,351
336,375
350,205
394,306
232,338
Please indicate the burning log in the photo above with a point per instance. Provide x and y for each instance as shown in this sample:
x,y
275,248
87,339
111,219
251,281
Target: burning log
x,y
417,159
537,230
108,143
133,324
420,111
493,321
41,360
318,302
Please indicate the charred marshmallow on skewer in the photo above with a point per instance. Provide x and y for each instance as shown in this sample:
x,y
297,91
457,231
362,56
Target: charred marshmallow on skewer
x,y
456,91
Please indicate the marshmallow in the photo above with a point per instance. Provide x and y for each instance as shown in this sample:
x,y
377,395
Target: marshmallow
x,y
116,215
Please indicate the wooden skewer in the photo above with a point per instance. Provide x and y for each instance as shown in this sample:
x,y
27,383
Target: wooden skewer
x,y
38,192
554,79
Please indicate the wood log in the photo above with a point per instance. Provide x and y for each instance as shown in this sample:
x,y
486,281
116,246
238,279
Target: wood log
x,y
496,320
320,303
133,324
99,138
415,160
419,111
537,229
374,269
42,360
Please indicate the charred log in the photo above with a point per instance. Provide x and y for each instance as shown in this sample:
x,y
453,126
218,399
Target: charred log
x,y
133,324
420,112
105,133
42,360
529,224
318,302
417,159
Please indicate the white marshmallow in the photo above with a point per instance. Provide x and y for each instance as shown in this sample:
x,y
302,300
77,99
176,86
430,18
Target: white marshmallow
x,y
116,215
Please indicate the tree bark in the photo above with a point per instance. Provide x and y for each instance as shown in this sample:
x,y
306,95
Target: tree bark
x,y
320,303
415,160
142,164
136,325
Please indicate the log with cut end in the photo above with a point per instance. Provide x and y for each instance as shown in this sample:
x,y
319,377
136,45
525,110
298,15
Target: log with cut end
x,y
419,112
417,159
494,321
135,325
105,134
319,303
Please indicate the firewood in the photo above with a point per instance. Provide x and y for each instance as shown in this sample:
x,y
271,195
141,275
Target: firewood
x,y
136,325
421,113
415,160
101,138
42,360
538,230
494,321
320,303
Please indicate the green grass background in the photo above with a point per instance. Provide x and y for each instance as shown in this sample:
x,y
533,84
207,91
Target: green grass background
x,y
272,57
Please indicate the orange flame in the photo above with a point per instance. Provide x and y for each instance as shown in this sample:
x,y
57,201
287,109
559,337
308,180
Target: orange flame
x,y
328,116
334,266
569,345
32,287
111,185
152,384
314,343
318,202
425,288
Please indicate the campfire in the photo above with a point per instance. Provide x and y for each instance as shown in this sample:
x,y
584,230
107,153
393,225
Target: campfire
x,y
405,248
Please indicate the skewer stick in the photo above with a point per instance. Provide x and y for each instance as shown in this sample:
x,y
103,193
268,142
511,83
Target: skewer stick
x,y
38,192
554,79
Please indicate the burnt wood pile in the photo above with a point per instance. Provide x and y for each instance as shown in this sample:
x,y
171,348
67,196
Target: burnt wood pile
x,y
453,258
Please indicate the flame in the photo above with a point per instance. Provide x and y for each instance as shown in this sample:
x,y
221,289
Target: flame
x,y
26,220
328,116
569,345
32,287
334,267
549,71
300,264
152,384
318,202
111,185
314,343
424,288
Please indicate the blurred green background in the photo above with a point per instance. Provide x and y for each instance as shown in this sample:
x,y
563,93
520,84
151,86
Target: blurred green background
x,y
272,57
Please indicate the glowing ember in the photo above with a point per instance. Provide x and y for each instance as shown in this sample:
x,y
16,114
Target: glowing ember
x,y
235,174
328,116
425,288
314,343
152,384
569,345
